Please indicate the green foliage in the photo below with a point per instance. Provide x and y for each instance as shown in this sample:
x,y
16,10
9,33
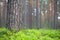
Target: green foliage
x,y
4,34
30,34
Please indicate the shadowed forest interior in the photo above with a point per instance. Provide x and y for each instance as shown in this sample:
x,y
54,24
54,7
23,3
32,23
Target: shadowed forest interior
x,y
30,13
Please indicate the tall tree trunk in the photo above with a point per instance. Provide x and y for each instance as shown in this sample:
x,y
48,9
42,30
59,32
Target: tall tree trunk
x,y
52,13
37,14
55,14
0,12
13,15
3,12
48,15
40,13
8,13
25,13
30,13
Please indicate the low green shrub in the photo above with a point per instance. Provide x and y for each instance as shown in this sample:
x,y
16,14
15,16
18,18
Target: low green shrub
x,y
4,34
30,34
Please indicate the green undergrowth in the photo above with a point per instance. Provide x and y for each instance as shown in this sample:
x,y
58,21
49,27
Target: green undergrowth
x,y
30,34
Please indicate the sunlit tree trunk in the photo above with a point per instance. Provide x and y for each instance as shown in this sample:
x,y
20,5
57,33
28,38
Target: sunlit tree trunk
x,y
48,14
52,14
44,24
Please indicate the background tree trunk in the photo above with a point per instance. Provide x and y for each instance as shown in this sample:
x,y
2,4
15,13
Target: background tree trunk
x,y
55,14
30,13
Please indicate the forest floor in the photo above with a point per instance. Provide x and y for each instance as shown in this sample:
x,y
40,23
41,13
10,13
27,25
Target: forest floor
x,y
30,34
